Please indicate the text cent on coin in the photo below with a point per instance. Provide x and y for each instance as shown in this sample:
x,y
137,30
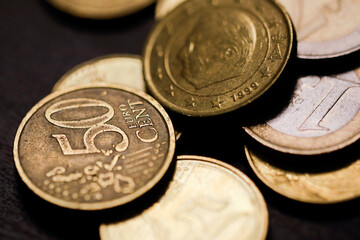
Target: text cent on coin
x,y
100,9
94,147
207,199
211,57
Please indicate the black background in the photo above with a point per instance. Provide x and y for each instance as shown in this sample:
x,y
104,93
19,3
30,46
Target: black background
x,y
38,44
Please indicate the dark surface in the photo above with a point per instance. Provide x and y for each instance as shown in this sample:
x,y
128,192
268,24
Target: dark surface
x,y
39,44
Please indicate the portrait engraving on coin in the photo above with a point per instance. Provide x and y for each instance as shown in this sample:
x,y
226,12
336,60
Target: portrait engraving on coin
x,y
210,57
93,148
218,48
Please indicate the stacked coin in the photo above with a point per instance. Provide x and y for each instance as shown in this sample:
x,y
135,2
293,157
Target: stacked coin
x,y
99,141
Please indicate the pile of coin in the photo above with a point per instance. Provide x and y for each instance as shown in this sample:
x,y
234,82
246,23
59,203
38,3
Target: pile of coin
x,y
99,140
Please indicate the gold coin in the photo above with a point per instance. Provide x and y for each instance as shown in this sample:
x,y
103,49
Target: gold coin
x,y
100,9
322,116
307,185
211,57
207,199
163,7
94,147
325,28
121,69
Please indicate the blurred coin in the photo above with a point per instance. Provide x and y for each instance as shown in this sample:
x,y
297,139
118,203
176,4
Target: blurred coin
x,y
325,28
121,69
163,7
321,187
207,199
94,147
211,57
322,116
100,9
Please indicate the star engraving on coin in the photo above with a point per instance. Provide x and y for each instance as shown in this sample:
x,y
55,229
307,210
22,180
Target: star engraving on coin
x,y
94,147
217,53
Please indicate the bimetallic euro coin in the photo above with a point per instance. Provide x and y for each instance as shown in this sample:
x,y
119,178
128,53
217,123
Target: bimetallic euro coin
x,y
121,69
94,147
322,116
100,9
207,199
321,187
325,28
211,57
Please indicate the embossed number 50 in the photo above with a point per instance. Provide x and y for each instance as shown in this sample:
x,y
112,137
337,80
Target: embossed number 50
x,y
95,125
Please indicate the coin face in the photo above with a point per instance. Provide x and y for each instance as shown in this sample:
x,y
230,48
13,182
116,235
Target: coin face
x,y
325,28
211,57
100,9
320,187
199,205
322,116
94,147
126,70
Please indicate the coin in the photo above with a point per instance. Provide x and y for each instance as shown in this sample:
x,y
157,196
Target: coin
x,y
211,57
207,199
322,116
320,187
325,28
121,69
163,7
94,147
100,9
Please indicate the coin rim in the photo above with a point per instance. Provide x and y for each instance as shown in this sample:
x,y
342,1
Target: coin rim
x,y
259,197
282,142
105,204
284,193
100,14
94,61
257,193
203,113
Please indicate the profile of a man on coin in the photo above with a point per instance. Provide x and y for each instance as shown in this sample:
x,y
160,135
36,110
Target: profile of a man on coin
x,y
218,48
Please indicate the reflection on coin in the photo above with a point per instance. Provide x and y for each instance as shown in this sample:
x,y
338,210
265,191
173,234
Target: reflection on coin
x,y
120,69
211,57
207,199
94,147
322,116
163,7
100,9
325,28
325,187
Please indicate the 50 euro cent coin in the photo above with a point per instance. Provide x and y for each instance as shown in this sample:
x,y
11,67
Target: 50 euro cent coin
x,y
94,147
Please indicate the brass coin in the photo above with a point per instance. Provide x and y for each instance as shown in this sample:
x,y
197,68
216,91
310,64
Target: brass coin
x,y
163,7
207,199
325,28
100,9
121,69
94,147
211,57
324,187
322,116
